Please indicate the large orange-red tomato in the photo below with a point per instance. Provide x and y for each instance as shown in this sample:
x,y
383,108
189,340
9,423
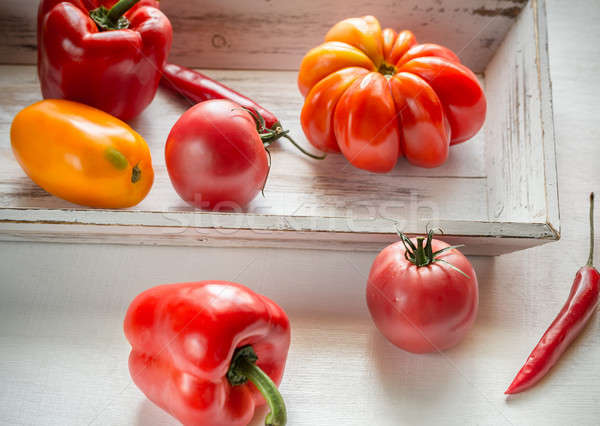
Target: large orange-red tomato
x,y
425,308
375,95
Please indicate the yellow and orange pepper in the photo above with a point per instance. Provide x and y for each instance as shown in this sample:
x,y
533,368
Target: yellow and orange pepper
x,y
82,154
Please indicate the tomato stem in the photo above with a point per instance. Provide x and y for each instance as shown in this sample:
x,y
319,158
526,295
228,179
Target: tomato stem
x,y
302,150
423,255
590,261
420,257
386,69
276,132
243,368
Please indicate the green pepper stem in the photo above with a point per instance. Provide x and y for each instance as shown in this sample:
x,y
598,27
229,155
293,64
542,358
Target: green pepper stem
x,y
119,9
112,19
243,368
278,415
590,261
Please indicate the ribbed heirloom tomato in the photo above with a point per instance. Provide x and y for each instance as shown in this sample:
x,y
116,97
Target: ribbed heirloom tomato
x,y
376,95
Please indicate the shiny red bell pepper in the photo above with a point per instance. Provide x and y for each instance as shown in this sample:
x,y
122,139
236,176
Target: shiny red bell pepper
x,y
196,345
107,58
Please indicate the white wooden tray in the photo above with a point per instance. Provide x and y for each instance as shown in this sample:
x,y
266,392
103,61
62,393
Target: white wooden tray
x,y
497,193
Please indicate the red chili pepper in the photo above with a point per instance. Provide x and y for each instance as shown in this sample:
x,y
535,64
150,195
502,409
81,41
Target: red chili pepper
x,y
107,58
575,313
199,87
196,345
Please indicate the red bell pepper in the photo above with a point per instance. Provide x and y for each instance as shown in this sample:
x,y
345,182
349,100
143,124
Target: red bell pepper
x,y
195,346
107,58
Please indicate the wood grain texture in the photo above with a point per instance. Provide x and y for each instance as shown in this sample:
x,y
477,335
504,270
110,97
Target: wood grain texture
x,y
63,358
487,243
521,135
275,34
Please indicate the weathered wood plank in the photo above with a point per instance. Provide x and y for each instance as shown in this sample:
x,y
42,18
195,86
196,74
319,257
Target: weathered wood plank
x,y
275,34
505,238
520,146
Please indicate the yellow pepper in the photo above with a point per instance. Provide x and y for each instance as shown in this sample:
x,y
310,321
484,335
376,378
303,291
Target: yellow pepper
x,y
82,154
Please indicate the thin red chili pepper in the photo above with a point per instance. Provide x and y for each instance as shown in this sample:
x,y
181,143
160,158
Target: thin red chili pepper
x,y
569,322
198,87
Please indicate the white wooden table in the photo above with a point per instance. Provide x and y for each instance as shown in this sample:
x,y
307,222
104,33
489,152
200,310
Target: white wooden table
x,y
64,356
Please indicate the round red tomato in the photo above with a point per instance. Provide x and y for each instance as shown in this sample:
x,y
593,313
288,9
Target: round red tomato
x,y
424,308
215,156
